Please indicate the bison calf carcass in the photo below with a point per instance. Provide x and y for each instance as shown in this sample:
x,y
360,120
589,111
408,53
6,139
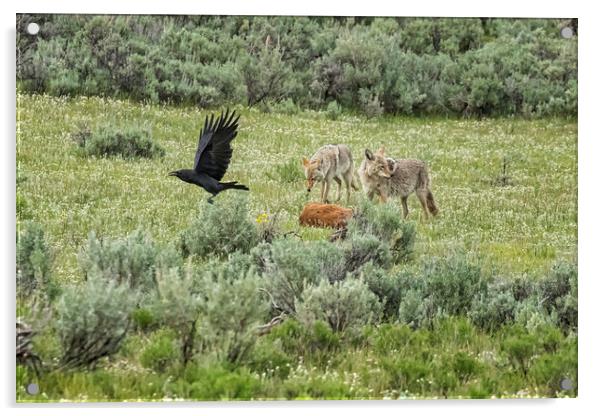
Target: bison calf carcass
x,y
325,215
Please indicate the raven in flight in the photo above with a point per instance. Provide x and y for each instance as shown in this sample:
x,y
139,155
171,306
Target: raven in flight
x,y
213,156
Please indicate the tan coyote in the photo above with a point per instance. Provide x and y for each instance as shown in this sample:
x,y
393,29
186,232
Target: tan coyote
x,y
387,177
330,162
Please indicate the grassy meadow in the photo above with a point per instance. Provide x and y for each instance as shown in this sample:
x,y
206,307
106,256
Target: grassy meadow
x,y
518,228
518,221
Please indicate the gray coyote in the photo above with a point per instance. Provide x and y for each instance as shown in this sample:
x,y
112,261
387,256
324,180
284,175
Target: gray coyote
x,y
387,177
330,162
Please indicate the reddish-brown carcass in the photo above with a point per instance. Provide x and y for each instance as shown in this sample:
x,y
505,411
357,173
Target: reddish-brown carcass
x,y
325,215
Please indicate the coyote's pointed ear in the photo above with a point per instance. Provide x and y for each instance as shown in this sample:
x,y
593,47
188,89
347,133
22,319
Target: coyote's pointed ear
x,y
304,161
369,155
391,164
381,151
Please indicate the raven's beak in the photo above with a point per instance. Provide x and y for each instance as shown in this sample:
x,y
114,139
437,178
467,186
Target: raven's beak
x,y
172,174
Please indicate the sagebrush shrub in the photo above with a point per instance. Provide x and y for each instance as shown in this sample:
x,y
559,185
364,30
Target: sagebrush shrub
x,y
370,104
232,308
289,266
531,315
33,261
345,304
132,260
402,245
236,266
410,65
363,248
268,227
221,228
388,287
416,309
111,141
558,293
522,287
92,320
177,305
445,287
493,308
384,222
453,282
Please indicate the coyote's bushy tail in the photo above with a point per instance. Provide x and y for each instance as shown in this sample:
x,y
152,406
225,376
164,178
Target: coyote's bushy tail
x,y
234,185
354,184
424,182
430,203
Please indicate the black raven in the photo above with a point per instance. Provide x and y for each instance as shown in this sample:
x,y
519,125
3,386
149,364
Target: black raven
x,y
213,156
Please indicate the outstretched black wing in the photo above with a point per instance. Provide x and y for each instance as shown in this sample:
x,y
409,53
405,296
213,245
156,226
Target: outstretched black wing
x,y
214,151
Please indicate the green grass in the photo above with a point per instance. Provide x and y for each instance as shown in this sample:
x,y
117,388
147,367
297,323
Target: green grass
x,y
519,228
386,362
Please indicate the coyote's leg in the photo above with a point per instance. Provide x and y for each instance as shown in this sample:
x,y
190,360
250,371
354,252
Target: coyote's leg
x,y
338,181
322,196
370,194
383,197
421,194
404,205
348,182
326,189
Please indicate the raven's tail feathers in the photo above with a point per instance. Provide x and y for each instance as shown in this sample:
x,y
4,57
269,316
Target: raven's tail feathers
x,y
234,185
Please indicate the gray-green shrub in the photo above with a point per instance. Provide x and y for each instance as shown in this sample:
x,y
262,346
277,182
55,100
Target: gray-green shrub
x,y
531,314
383,221
402,245
92,320
445,287
221,228
463,67
177,305
232,308
377,232
363,248
345,304
453,282
132,260
289,266
33,260
388,287
494,307
557,292
127,142
416,309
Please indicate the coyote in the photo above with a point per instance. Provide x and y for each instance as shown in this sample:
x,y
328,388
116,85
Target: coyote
x,y
333,161
388,177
